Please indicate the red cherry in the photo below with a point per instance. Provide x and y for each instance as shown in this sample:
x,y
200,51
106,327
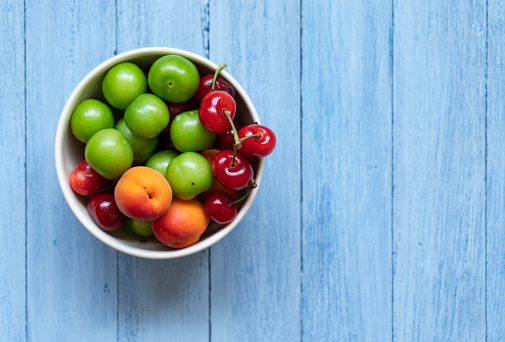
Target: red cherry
x,y
211,112
225,141
205,86
260,146
236,175
85,181
103,209
252,160
219,208
175,109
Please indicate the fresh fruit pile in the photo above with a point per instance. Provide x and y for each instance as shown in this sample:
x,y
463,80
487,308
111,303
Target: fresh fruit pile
x,y
174,161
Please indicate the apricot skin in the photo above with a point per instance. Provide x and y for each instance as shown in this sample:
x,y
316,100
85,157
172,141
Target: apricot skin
x,y
143,194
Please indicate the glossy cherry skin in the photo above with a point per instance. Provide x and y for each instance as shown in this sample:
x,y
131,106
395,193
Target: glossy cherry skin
x,y
225,141
234,177
211,114
257,147
205,86
103,209
218,209
177,108
85,181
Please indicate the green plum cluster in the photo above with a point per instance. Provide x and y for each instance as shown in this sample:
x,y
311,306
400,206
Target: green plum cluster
x,y
145,132
146,120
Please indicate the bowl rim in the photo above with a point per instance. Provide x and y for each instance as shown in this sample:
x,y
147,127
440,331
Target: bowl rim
x,y
70,197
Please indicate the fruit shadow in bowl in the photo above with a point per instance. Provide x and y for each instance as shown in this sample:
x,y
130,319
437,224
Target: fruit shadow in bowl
x,y
72,152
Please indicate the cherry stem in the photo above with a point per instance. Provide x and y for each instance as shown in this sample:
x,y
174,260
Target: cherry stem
x,y
238,143
250,136
253,186
234,155
219,68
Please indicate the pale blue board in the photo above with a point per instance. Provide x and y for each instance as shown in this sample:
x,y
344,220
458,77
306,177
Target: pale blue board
x,y
495,228
380,215
71,282
12,172
255,270
166,299
346,177
439,170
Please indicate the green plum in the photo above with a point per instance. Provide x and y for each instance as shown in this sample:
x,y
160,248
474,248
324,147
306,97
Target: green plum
x,y
159,161
123,83
89,117
109,153
189,175
188,134
142,148
138,228
147,116
173,78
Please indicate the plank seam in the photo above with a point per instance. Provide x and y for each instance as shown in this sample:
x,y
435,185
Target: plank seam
x,y
392,167
301,172
485,171
26,180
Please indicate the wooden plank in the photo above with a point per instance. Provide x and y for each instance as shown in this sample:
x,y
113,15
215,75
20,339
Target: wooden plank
x,y
71,275
495,234
169,298
255,270
439,170
12,173
346,149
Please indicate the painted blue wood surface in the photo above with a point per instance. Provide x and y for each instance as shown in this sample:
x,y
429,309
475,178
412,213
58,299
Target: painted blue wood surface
x,y
346,178
160,299
439,110
380,216
495,221
255,271
71,280
12,172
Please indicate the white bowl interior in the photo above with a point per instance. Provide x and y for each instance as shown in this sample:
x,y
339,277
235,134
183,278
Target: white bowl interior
x,y
69,152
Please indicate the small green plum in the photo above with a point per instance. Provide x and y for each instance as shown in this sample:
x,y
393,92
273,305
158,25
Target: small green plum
x,y
123,83
173,78
160,160
189,175
109,153
147,116
188,134
142,148
90,117
138,228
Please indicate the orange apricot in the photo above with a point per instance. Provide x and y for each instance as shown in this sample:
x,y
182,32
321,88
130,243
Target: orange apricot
x,y
143,194
182,225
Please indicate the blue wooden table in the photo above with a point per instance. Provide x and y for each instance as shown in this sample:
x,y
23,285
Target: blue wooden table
x,y
381,215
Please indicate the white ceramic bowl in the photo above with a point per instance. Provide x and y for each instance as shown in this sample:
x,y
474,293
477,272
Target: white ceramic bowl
x,y
69,152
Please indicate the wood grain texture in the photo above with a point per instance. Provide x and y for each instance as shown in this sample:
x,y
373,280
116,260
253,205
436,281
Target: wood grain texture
x,y
439,170
255,270
346,207
71,275
170,298
12,172
495,236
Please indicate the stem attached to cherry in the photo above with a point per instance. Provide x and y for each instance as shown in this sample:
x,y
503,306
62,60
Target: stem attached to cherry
x,y
238,144
250,136
219,68
253,186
